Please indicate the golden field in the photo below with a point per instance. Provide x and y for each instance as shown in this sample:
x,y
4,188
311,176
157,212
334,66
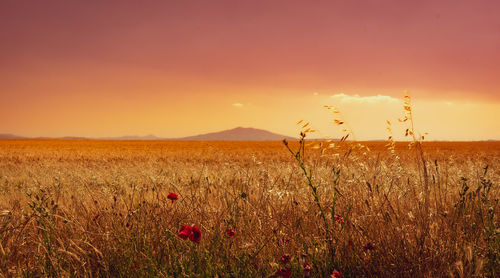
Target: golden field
x,y
100,209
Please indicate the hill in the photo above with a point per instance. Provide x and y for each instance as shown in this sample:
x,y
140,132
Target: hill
x,y
238,134
9,136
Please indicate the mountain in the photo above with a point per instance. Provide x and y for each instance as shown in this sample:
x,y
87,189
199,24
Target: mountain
x,y
9,136
238,134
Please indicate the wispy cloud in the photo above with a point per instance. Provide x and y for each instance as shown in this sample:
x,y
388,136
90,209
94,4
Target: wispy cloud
x,y
364,99
237,104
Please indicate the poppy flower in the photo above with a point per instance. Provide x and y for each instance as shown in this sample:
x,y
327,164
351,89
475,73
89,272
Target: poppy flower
x,y
307,270
172,196
195,235
286,258
284,272
230,232
336,274
185,232
339,219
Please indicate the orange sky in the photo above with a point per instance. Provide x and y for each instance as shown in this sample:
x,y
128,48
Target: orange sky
x,y
177,68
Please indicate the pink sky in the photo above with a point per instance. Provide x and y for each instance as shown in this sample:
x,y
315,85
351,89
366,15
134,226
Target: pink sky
x,y
175,68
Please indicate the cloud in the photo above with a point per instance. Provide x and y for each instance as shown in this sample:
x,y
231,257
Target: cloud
x,y
368,99
237,104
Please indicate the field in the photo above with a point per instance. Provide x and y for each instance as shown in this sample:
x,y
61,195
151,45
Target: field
x,y
103,209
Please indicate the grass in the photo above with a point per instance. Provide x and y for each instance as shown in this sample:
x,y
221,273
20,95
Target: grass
x,y
100,209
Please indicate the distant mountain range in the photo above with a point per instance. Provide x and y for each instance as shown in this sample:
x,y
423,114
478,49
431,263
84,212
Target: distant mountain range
x,y
9,136
235,134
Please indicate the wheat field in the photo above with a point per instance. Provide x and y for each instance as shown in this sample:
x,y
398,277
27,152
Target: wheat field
x,y
84,208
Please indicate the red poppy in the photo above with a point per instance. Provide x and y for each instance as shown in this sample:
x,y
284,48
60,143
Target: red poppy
x,y
286,258
172,196
185,232
336,274
195,236
307,270
284,272
230,232
339,219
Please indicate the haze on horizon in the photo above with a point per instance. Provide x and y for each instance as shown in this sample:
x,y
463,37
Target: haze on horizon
x,y
180,68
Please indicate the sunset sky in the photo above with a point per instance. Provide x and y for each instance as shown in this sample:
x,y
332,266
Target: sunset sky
x,y
179,68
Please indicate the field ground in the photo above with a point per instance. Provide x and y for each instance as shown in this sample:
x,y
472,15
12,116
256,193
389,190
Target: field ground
x,y
100,209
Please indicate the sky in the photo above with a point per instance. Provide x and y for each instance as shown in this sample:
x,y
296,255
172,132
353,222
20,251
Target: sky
x,y
180,68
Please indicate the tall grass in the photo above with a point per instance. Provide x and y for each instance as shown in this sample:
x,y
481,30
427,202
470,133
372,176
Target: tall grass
x,y
101,209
